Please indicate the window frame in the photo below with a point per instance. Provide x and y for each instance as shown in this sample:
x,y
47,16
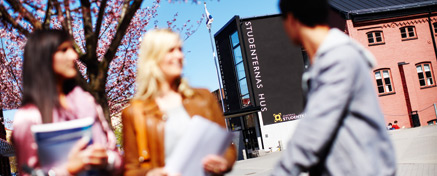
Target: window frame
x,y
384,84
422,64
235,45
375,42
407,32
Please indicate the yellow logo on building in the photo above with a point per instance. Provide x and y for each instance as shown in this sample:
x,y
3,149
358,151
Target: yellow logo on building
x,y
278,117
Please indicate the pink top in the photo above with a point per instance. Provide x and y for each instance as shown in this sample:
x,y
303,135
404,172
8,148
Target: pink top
x,y
81,105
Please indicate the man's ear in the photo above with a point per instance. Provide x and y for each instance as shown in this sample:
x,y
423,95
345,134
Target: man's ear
x,y
292,20
289,18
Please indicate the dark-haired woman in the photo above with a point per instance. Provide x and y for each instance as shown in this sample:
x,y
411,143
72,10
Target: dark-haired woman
x,y
50,95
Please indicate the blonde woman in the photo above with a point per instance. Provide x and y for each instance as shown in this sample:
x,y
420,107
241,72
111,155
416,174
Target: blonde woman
x,y
163,104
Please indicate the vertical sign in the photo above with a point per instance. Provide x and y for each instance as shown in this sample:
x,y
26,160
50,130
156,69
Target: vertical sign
x,y
275,68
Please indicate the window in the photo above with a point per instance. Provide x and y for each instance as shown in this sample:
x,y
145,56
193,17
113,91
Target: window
x,y
408,32
375,37
383,81
424,71
240,71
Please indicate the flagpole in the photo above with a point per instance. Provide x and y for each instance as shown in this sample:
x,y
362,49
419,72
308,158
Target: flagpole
x,y
209,20
216,69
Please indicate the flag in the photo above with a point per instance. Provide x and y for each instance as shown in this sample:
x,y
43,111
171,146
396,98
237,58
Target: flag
x,y
209,18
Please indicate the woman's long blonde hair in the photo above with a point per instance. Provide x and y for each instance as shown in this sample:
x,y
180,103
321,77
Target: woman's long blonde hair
x,y
154,45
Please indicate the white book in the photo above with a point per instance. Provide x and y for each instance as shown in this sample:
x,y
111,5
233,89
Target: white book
x,y
55,140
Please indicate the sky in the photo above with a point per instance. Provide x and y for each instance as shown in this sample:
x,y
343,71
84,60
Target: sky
x,y
199,66
8,114
199,69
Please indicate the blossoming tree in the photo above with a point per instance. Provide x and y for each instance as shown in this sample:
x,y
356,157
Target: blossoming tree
x,y
106,36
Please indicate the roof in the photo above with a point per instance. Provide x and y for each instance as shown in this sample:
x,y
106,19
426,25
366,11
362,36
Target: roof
x,y
363,7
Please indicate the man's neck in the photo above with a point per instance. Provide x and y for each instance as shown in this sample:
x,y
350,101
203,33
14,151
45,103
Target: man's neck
x,y
312,38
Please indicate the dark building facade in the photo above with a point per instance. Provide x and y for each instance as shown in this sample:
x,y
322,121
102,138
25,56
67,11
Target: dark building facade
x,y
261,74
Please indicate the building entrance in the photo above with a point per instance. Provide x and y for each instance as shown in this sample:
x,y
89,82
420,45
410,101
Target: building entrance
x,y
251,142
247,138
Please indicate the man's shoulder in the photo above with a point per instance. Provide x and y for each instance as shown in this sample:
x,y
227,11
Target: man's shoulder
x,y
344,54
342,44
340,47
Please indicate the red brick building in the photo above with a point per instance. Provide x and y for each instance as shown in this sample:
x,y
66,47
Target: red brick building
x,y
402,35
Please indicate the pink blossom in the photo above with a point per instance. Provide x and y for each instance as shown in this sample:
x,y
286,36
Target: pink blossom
x,y
120,82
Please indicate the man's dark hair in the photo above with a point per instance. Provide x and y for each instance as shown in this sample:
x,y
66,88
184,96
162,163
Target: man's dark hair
x,y
308,12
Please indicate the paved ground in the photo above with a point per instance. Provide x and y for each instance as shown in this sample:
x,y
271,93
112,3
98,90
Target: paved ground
x,y
416,152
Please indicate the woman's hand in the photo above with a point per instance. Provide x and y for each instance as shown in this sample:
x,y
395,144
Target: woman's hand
x,y
215,164
84,157
160,172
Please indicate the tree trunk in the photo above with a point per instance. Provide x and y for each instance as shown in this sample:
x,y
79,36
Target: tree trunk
x,y
102,99
5,167
97,87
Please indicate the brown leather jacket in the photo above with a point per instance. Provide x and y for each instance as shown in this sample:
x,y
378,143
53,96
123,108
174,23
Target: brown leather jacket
x,y
143,131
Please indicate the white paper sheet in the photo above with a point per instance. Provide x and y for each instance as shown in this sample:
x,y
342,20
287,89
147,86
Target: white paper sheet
x,y
203,137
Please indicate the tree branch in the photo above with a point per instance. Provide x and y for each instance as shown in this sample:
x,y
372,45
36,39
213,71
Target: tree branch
x,y
77,10
7,18
60,14
68,17
113,99
17,6
48,15
66,25
121,71
9,69
122,101
124,10
104,31
30,5
121,30
99,21
91,54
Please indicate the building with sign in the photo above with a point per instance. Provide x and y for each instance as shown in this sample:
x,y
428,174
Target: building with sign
x,y
261,74
261,70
